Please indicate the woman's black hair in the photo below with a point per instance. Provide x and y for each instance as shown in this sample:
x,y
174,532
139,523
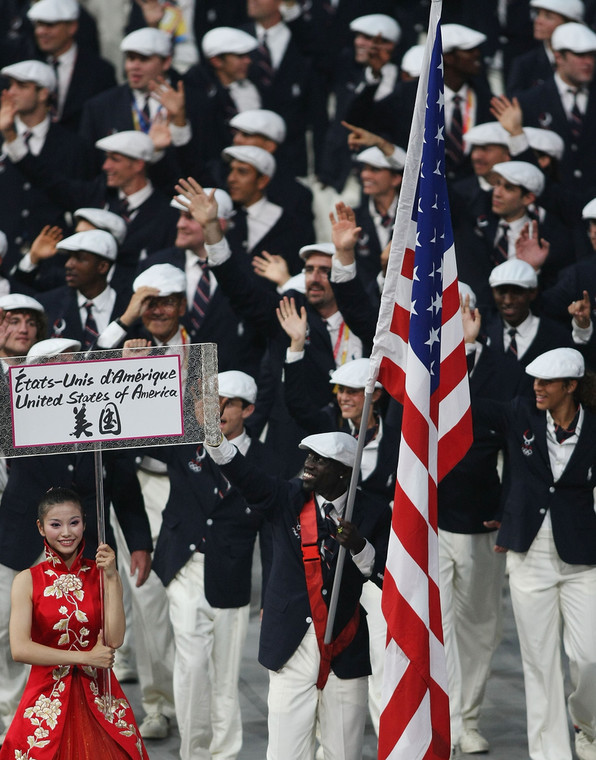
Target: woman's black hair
x,y
54,496
585,393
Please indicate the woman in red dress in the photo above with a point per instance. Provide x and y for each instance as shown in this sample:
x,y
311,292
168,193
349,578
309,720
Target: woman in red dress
x,y
55,625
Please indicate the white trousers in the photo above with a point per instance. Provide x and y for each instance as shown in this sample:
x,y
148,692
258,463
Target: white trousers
x,y
548,596
209,643
377,631
13,675
471,582
295,703
150,621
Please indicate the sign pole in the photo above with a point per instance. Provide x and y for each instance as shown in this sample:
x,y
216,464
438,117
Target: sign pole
x,y
101,539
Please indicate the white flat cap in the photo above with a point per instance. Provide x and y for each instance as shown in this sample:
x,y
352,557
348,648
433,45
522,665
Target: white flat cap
x,y
572,9
459,37
514,272
375,157
575,37
51,347
489,133
3,244
53,11
226,39
104,220
377,23
521,173
297,283
131,143
31,71
262,161
465,290
99,242
225,205
556,364
327,249
411,63
338,446
236,384
589,210
15,301
545,141
147,41
259,121
353,374
166,278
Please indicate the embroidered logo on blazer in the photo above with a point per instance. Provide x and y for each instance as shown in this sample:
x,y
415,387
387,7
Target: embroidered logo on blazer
x,y
527,449
195,464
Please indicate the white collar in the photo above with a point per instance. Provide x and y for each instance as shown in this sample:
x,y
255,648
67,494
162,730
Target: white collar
x,y
100,302
137,199
526,327
39,130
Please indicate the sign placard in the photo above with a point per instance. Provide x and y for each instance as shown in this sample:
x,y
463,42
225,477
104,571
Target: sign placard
x,y
95,401
110,399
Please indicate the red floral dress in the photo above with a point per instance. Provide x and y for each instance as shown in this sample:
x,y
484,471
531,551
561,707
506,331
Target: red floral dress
x,y
64,714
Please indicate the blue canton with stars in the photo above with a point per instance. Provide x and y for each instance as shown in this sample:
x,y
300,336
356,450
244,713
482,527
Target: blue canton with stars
x,y
433,227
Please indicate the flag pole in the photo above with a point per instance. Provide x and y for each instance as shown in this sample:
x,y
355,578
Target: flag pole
x,y
348,516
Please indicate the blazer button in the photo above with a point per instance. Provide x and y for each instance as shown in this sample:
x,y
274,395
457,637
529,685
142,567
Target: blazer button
x,y
551,489
309,619
209,521
192,547
70,467
543,511
324,592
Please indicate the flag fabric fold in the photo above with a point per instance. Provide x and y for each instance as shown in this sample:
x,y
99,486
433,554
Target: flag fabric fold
x,y
419,358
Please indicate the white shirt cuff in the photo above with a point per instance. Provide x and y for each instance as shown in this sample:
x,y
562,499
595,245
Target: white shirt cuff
x,y
26,265
218,253
342,272
365,560
180,135
16,150
581,335
111,336
293,356
222,454
517,144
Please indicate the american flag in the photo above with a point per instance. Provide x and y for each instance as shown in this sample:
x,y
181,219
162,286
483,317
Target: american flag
x,y
420,358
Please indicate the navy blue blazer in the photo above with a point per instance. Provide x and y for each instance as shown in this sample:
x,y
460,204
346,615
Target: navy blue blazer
x,y
204,511
63,315
528,70
533,490
286,608
30,478
90,76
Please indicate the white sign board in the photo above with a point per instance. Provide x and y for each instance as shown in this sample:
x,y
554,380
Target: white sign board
x,y
94,401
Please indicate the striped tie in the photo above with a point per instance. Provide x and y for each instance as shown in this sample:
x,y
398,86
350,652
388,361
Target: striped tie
x,y
330,544
201,297
264,63
454,143
576,122
512,332
90,332
501,250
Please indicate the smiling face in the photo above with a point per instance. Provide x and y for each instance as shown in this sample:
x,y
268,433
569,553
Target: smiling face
x,y
245,184
63,528
484,157
513,302
325,476
121,170
161,315
189,233
55,39
554,395
377,182
351,402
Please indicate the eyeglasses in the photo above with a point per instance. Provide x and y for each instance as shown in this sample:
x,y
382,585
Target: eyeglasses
x,y
163,302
